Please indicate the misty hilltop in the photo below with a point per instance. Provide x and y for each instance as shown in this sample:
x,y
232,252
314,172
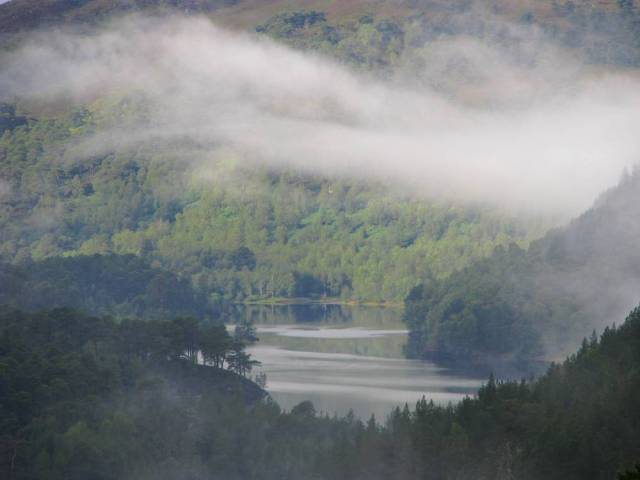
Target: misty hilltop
x,y
606,31
260,152
542,301
178,177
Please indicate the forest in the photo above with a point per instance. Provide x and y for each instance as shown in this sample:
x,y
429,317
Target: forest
x,y
247,238
521,304
87,398
171,170
118,285
372,243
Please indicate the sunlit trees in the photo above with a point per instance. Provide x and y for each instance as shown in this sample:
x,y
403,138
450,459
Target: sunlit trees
x,y
248,236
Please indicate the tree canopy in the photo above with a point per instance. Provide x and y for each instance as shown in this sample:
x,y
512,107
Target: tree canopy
x,y
86,397
525,304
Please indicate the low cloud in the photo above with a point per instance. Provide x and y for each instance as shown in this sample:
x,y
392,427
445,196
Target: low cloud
x,y
546,138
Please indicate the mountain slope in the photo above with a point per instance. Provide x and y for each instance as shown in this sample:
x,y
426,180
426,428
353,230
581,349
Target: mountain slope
x,y
117,285
579,420
69,379
236,231
83,397
20,15
606,32
370,243
540,301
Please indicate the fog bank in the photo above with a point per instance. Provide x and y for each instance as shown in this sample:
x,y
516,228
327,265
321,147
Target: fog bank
x,y
550,150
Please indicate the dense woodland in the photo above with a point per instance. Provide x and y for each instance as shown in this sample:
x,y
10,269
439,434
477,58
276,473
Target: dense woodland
x,y
603,32
367,34
139,379
68,380
519,304
118,285
85,398
242,232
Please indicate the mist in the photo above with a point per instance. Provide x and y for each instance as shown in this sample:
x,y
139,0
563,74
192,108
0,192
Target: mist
x,y
544,138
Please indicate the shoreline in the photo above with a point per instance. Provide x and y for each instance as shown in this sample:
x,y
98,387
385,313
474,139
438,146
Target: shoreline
x,y
320,301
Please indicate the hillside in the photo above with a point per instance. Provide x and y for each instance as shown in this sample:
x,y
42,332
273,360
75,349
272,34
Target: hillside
x,y
117,285
234,230
68,379
541,301
170,168
605,32
580,420
78,401
153,199
24,15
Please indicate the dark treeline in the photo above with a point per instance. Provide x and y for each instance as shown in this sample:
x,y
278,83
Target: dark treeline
x,y
64,376
518,305
85,398
120,285
580,420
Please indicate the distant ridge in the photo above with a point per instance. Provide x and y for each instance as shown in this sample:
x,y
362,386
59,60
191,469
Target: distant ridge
x,y
19,15
518,304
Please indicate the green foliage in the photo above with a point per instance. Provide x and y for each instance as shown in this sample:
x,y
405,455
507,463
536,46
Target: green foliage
x,y
580,420
371,34
8,118
366,43
120,285
84,397
377,42
79,394
517,304
247,233
630,474
477,313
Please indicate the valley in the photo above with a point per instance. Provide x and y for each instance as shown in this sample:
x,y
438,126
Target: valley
x,y
319,240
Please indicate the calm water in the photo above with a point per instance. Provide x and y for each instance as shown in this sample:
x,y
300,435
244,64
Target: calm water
x,y
345,358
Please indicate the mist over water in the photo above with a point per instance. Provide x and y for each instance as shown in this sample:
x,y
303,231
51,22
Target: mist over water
x,y
347,358
544,137
543,134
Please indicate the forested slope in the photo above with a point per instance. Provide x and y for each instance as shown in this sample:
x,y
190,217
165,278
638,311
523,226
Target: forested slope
x,y
82,397
537,302
235,230
579,420
85,397
117,285
365,32
243,233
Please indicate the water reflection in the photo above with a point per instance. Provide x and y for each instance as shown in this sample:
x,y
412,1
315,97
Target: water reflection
x,y
345,358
